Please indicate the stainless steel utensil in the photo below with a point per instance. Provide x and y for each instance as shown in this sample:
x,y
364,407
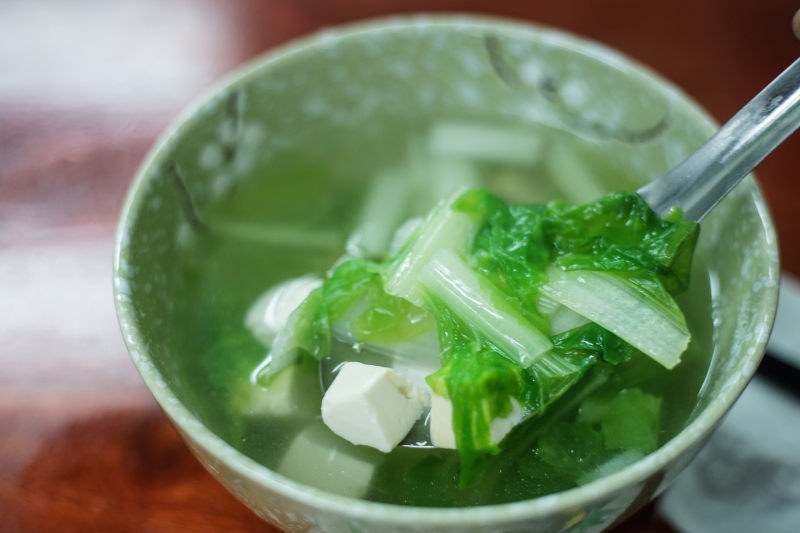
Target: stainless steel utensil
x,y
698,183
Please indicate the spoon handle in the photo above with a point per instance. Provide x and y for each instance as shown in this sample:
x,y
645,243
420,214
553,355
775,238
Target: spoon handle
x,y
698,183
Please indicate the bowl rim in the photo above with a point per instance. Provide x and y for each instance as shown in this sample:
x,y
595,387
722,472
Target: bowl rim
x,y
353,508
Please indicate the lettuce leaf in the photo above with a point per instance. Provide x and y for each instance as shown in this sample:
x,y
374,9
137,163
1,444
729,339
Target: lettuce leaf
x,y
308,331
628,421
389,319
620,233
570,447
476,266
443,228
480,381
487,310
591,339
509,248
635,308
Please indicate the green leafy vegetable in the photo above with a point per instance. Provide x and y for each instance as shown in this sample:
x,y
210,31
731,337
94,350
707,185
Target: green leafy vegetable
x,y
389,319
386,318
570,447
479,303
443,228
593,339
634,308
509,248
481,381
309,326
621,233
628,421
307,330
497,279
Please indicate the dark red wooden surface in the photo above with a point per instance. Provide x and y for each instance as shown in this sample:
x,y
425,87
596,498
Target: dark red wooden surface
x,y
85,86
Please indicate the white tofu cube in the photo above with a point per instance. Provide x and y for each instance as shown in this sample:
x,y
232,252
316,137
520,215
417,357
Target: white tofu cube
x,y
270,312
442,434
318,458
372,405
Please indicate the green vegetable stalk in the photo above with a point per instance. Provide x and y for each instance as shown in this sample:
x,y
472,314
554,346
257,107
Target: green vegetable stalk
x,y
480,268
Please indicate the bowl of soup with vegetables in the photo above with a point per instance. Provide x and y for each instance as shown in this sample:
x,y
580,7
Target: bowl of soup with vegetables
x,y
393,277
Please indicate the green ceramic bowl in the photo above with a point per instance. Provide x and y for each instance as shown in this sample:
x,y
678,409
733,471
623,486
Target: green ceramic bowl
x,y
261,181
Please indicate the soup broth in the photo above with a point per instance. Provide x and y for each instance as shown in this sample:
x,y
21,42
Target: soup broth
x,y
296,221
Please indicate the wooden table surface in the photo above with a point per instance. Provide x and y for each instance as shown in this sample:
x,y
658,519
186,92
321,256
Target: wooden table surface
x,y
85,86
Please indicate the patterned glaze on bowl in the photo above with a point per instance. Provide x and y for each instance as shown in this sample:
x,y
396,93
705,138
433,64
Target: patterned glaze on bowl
x,y
347,100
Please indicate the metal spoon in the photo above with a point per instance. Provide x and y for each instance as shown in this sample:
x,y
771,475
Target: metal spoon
x,y
698,183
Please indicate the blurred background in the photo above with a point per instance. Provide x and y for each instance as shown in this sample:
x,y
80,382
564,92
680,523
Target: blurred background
x,y
85,88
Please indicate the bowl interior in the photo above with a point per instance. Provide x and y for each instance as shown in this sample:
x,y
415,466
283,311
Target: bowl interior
x,y
263,181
